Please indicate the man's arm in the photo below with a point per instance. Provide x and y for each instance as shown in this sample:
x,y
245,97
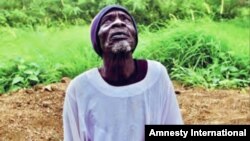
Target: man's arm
x,y
70,116
171,113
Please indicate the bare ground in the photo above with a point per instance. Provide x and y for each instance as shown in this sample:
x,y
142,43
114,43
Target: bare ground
x,y
36,114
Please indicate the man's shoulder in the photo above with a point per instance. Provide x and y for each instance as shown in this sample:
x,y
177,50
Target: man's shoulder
x,y
155,69
154,64
82,77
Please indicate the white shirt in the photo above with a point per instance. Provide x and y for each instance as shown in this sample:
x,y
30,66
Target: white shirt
x,y
97,111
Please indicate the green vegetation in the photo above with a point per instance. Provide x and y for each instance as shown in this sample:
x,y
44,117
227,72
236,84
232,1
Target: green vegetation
x,y
19,74
21,13
197,56
202,43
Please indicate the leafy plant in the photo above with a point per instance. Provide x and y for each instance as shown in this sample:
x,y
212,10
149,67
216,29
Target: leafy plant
x,y
49,12
198,59
20,74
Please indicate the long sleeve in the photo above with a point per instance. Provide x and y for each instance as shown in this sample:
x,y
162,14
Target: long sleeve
x,y
171,112
70,116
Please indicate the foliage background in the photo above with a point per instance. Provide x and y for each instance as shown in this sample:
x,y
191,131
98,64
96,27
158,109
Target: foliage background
x,y
147,12
202,42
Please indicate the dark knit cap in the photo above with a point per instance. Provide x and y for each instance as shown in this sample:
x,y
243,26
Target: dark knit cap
x,y
95,26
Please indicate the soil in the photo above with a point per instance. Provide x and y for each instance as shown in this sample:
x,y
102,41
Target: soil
x,y
35,114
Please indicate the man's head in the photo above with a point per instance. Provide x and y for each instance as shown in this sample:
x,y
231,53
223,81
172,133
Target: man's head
x,y
113,30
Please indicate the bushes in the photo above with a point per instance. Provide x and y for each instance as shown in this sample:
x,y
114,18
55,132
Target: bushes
x,y
198,59
20,74
192,56
48,12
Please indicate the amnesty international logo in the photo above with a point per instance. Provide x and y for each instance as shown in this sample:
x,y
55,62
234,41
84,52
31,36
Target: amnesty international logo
x,y
182,132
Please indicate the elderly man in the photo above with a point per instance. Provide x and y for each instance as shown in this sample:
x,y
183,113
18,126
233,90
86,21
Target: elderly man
x,y
115,102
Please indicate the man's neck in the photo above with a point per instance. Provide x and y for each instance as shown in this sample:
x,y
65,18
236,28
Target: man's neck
x,y
117,67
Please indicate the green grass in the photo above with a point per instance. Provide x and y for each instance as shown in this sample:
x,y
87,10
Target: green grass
x,y
185,46
235,37
68,51
57,45
69,47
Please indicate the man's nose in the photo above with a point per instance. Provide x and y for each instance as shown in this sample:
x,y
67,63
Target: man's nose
x,y
118,23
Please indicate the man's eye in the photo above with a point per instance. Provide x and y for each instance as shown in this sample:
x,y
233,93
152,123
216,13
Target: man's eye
x,y
106,21
124,18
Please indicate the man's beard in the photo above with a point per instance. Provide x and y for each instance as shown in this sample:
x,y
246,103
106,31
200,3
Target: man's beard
x,y
121,47
117,58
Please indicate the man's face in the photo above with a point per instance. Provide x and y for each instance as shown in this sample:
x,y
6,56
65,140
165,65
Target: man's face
x,y
117,33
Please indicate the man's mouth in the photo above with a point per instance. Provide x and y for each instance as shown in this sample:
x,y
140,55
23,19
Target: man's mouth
x,y
119,36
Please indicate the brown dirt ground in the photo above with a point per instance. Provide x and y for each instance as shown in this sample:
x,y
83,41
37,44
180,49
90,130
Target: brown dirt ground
x,y
36,114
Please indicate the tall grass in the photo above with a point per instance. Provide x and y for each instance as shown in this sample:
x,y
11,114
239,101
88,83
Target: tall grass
x,y
196,53
202,53
229,33
69,49
25,13
53,53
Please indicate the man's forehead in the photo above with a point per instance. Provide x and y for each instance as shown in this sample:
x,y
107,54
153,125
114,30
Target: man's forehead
x,y
115,11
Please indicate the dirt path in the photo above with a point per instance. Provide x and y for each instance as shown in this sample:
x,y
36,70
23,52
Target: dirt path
x,y
35,114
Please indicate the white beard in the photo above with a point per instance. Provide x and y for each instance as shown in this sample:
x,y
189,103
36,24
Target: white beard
x,y
122,46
